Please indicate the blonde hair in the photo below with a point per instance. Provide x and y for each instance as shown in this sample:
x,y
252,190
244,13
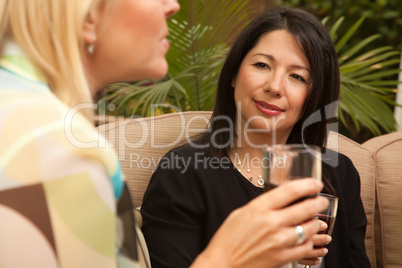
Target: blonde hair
x,y
3,21
50,34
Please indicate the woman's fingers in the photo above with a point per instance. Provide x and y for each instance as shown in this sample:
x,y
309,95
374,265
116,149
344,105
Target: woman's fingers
x,y
310,262
306,253
321,240
288,193
304,210
312,257
309,229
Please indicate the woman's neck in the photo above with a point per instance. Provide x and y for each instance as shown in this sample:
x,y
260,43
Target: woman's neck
x,y
248,161
259,138
248,145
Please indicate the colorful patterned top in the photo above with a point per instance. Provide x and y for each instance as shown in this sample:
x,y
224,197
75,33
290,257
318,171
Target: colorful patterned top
x,y
58,188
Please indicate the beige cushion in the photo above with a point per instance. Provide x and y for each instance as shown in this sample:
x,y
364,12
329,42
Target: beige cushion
x,y
141,143
144,260
387,152
363,161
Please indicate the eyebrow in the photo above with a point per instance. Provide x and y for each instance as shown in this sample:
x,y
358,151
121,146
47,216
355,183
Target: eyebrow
x,y
273,59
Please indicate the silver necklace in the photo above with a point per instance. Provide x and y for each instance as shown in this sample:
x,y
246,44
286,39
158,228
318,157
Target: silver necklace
x,y
250,174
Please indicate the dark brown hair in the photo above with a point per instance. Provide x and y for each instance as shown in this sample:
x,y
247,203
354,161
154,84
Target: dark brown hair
x,y
318,47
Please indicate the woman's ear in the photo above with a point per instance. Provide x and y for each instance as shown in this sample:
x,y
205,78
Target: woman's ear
x,y
90,26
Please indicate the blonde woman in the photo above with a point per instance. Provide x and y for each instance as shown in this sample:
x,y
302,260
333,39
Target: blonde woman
x,y
61,195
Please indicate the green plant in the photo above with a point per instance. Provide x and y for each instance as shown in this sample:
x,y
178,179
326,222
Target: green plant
x,y
200,34
367,81
382,16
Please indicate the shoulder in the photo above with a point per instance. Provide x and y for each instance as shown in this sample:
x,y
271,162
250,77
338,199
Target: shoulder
x,y
186,153
23,100
30,107
336,161
35,123
187,150
342,172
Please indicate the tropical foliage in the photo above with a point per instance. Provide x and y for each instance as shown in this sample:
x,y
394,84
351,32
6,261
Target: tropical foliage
x,y
367,84
382,17
200,34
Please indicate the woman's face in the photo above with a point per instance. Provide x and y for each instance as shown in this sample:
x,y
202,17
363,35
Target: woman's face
x,y
272,84
131,40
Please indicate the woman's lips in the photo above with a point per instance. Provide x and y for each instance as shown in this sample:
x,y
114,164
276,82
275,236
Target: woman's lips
x,y
267,108
165,43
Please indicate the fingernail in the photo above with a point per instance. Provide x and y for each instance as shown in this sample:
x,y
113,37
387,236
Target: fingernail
x,y
325,250
329,239
323,225
319,183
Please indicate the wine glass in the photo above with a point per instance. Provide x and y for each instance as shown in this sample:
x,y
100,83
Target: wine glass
x,y
328,216
283,163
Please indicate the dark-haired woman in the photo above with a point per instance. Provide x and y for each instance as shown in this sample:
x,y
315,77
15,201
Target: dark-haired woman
x,y
279,84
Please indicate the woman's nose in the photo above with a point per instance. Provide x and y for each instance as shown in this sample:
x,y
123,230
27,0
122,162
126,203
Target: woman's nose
x,y
171,7
274,86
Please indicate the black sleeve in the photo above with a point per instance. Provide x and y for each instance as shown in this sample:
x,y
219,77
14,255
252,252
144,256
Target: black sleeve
x,y
172,215
357,219
347,249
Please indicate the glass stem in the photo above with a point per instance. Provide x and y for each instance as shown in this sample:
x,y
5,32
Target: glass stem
x,y
293,264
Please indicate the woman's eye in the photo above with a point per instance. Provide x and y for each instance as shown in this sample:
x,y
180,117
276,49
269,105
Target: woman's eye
x,y
298,78
261,65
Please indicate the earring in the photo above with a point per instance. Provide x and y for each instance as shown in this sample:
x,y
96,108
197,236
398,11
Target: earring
x,y
91,48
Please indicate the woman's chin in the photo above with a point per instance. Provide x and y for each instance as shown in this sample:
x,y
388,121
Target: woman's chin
x,y
158,73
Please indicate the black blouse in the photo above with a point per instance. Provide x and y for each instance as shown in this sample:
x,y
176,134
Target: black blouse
x,y
190,195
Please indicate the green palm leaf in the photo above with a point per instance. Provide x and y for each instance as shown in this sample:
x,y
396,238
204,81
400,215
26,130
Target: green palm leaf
x,y
367,82
200,35
345,38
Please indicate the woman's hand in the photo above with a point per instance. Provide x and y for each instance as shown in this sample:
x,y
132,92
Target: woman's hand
x,y
262,233
313,257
